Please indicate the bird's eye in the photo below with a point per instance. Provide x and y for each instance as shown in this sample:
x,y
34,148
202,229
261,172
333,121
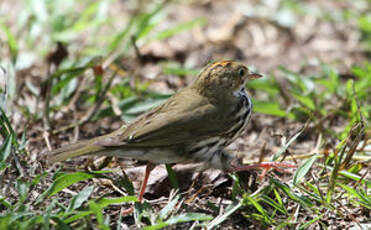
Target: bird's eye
x,y
241,72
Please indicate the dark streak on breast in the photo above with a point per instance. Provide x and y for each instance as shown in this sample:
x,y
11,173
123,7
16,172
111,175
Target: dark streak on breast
x,y
210,145
246,114
195,150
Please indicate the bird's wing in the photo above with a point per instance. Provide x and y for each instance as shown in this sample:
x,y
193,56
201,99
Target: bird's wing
x,y
182,119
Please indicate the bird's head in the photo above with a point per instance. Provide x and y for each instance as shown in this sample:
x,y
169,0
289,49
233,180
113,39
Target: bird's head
x,y
223,79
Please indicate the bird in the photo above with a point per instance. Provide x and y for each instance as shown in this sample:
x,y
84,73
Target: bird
x,y
194,125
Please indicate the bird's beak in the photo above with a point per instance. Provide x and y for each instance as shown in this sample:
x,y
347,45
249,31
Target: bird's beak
x,y
253,76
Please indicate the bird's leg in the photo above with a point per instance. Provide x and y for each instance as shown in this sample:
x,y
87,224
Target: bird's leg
x,y
149,168
279,166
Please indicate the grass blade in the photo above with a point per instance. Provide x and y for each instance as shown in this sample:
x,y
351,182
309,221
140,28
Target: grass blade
x,y
219,219
304,169
284,148
12,42
179,28
191,216
172,176
269,108
64,180
80,198
5,149
104,202
307,224
168,208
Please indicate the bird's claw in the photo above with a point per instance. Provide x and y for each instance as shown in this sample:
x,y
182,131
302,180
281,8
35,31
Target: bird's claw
x,y
278,166
128,211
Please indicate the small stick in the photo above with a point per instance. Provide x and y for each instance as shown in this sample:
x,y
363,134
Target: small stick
x,y
136,49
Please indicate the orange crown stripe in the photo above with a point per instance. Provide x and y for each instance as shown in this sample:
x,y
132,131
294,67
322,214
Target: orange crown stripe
x,y
221,63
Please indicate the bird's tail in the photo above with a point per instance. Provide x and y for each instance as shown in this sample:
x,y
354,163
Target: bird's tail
x,y
74,150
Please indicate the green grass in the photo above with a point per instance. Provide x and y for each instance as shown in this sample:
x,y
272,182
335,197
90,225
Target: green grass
x,y
328,182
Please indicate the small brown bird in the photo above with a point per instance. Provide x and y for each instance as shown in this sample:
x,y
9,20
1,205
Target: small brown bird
x,y
194,125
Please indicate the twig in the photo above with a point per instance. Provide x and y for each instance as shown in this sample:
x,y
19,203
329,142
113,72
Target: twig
x,y
75,96
76,128
118,70
54,59
285,156
195,195
46,118
358,131
137,52
114,103
361,179
318,186
117,189
283,92
366,141
18,164
46,138
101,98
262,152
66,127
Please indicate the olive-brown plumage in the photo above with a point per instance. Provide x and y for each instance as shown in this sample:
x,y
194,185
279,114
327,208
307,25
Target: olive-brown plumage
x,y
194,125
212,111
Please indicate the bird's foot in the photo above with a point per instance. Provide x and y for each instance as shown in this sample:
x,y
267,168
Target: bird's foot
x,y
127,211
149,168
278,166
